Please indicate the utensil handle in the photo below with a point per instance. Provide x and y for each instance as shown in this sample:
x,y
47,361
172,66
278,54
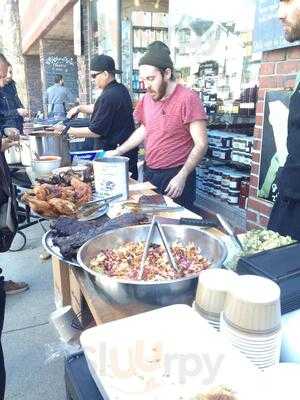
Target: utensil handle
x,y
198,222
146,248
238,242
167,246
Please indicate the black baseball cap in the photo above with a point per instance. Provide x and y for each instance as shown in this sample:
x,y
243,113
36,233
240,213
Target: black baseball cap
x,y
103,62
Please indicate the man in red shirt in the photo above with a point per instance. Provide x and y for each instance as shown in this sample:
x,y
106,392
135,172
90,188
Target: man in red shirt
x,y
172,126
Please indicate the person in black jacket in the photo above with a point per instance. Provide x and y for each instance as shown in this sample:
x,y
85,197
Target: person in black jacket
x,y
285,215
5,192
111,116
10,104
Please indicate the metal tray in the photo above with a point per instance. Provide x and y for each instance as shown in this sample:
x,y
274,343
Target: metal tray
x,y
99,213
54,250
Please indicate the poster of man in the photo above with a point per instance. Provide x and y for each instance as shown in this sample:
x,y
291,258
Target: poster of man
x,y
274,142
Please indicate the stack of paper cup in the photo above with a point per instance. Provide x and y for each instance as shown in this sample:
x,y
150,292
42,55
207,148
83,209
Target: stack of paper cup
x,y
211,294
252,319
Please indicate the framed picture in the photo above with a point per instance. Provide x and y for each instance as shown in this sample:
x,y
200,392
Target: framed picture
x,y
274,142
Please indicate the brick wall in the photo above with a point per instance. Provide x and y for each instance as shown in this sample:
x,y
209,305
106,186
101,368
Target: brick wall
x,y
278,71
34,83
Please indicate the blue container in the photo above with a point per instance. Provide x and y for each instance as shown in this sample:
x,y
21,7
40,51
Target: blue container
x,y
78,157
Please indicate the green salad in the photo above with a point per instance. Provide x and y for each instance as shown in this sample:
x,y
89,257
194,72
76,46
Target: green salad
x,y
256,241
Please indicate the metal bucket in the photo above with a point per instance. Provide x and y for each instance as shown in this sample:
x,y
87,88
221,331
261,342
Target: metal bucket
x,y
151,294
47,144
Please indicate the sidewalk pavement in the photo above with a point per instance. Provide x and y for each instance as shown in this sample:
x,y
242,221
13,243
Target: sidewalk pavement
x,y
27,331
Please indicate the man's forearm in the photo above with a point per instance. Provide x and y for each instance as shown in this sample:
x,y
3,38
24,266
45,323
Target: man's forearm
x,y
196,155
133,141
86,108
199,135
82,133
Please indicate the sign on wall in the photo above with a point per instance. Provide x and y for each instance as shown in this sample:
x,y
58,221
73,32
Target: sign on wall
x,y
65,66
274,142
268,32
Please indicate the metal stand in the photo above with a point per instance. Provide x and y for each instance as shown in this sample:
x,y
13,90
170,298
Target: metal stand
x,y
30,219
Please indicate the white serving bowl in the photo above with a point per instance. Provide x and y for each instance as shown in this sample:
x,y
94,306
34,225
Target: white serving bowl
x,y
45,165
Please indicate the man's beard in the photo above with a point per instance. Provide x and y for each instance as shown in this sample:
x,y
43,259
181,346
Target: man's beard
x,y
161,92
293,34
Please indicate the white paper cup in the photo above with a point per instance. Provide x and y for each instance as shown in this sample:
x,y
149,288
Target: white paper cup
x,y
253,305
62,319
212,290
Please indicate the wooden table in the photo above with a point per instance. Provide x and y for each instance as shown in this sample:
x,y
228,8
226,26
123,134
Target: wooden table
x,y
75,287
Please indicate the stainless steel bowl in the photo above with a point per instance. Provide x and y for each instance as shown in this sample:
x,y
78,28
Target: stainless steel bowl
x,y
149,293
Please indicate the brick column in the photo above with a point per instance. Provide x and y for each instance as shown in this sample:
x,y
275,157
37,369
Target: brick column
x,y
34,83
278,71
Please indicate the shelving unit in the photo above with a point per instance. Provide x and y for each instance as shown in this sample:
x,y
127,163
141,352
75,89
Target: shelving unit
x,y
147,27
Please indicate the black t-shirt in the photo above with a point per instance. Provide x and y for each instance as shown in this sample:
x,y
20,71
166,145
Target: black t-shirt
x,y
112,118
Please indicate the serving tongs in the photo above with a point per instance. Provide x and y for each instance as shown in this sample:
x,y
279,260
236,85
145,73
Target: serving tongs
x,y
156,224
151,208
94,205
228,228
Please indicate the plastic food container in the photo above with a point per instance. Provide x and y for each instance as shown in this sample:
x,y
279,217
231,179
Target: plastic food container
x,y
233,196
226,179
78,157
111,176
221,153
235,181
243,201
224,193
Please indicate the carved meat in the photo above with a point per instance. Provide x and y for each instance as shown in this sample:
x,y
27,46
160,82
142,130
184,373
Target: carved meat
x,y
70,243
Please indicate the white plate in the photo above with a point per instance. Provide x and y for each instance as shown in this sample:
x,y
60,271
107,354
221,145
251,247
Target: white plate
x,y
148,340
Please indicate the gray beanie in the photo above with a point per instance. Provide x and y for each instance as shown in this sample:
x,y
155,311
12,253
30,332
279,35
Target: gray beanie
x,y
157,55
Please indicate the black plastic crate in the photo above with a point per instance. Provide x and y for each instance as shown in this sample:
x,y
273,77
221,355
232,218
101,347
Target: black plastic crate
x,y
79,382
282,265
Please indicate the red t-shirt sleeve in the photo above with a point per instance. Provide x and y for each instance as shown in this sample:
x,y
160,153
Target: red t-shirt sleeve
x,y
193,109
138,114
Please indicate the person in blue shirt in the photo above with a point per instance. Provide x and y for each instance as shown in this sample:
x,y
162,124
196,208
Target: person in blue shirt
x,y
57,98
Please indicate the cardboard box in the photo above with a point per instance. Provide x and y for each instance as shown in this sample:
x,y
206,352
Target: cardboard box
x,y
61,283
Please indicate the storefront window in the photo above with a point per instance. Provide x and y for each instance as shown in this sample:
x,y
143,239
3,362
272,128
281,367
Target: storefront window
x,y
212,50
104,29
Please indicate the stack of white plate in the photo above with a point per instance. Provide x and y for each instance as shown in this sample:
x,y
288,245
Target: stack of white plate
x,y
212,290
251,320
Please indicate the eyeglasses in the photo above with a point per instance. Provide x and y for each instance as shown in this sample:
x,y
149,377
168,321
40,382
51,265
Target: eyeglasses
x,y
96,74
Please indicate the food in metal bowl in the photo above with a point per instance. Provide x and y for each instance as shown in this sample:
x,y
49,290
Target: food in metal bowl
x,y
124,262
